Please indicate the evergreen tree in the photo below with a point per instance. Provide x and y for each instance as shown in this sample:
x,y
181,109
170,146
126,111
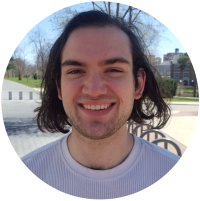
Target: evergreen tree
x,y
185,62
10,65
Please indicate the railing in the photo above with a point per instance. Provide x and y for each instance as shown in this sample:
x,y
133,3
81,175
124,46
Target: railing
x,y
144,131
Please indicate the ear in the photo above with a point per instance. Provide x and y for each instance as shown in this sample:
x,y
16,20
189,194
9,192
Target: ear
x,y
59,90
141,78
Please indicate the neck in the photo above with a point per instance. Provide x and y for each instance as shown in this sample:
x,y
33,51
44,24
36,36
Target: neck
x,y
101,154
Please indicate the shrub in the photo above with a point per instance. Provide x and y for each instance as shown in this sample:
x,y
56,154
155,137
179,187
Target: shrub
x,y
35,76
167,87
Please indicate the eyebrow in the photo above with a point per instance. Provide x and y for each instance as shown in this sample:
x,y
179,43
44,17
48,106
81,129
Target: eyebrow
x,y
100,63
72,63
113,61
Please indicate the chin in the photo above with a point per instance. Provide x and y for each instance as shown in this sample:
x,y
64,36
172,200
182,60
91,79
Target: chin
x,y
97,131
95,134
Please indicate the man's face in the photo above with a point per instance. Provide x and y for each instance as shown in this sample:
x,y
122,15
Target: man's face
x,y
97,62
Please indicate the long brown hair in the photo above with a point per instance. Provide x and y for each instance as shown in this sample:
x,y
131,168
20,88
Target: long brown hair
x,y
150,107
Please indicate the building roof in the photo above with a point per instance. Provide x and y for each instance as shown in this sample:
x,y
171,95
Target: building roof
x,y
175,59
165,63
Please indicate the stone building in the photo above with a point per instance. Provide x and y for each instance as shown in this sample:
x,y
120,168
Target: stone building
x,y
169,68
186,77
164,68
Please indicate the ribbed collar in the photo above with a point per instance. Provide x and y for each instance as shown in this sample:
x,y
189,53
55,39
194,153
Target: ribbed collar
x,y
101,174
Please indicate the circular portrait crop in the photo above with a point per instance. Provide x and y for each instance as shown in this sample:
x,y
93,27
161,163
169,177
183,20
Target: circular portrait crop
x,y
100,101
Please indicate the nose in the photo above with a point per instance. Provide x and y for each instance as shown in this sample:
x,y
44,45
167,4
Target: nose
x,y
94,85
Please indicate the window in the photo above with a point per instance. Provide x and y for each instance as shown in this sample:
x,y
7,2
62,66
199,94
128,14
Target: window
x,y
176,76
176,67
185,75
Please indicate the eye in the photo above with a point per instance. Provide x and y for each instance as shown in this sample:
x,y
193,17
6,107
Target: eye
x,y
114,70
75,71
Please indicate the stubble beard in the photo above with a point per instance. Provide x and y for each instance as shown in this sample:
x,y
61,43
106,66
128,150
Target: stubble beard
x,y
98,130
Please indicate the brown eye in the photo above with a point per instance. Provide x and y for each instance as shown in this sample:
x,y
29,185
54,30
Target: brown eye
x,y
75,72
113,70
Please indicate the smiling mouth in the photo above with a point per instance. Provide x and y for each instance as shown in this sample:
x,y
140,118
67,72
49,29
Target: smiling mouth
x,y
97,107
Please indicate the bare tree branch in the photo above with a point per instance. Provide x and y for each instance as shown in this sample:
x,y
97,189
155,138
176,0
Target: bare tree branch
x,y
126,12
20,67
117,11
41,49
62,17
130,14
149,28
139,22
105,7
98,6
136,16
93,5
109,3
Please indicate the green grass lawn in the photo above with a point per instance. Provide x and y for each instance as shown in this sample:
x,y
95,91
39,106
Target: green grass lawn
x,y
184,100
189,91
30,82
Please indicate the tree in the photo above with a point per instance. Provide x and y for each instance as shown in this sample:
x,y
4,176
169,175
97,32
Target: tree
x,y
149,28
20,67
41,47
27,71
185,62
61,18
21,53
10,65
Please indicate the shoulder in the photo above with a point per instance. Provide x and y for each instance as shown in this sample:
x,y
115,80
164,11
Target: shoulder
x,y
43,152
154,151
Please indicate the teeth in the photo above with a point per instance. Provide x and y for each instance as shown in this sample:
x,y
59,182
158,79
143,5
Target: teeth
x,y
96,107
92,107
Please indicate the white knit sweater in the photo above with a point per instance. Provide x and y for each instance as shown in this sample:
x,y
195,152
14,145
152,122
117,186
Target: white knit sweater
x,y
145,165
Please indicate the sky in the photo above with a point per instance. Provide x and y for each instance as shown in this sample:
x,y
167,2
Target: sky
x,y
168,42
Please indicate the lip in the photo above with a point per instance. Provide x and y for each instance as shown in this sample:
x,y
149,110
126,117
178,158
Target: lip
x,y
97,113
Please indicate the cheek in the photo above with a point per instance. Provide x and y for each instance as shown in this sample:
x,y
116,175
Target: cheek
x,y
124,87
70,89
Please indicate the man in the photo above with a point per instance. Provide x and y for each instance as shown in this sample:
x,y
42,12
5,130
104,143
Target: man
x,y
97,78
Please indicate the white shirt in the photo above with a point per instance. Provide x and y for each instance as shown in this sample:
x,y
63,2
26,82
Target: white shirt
x,y
145,165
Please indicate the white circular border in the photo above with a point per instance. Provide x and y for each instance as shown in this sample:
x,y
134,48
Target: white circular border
x,y
17,18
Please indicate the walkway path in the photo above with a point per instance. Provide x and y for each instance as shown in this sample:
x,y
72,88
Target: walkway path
x,y
15,88
19,121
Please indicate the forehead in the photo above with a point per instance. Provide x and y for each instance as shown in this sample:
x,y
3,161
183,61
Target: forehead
x,y
95,42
